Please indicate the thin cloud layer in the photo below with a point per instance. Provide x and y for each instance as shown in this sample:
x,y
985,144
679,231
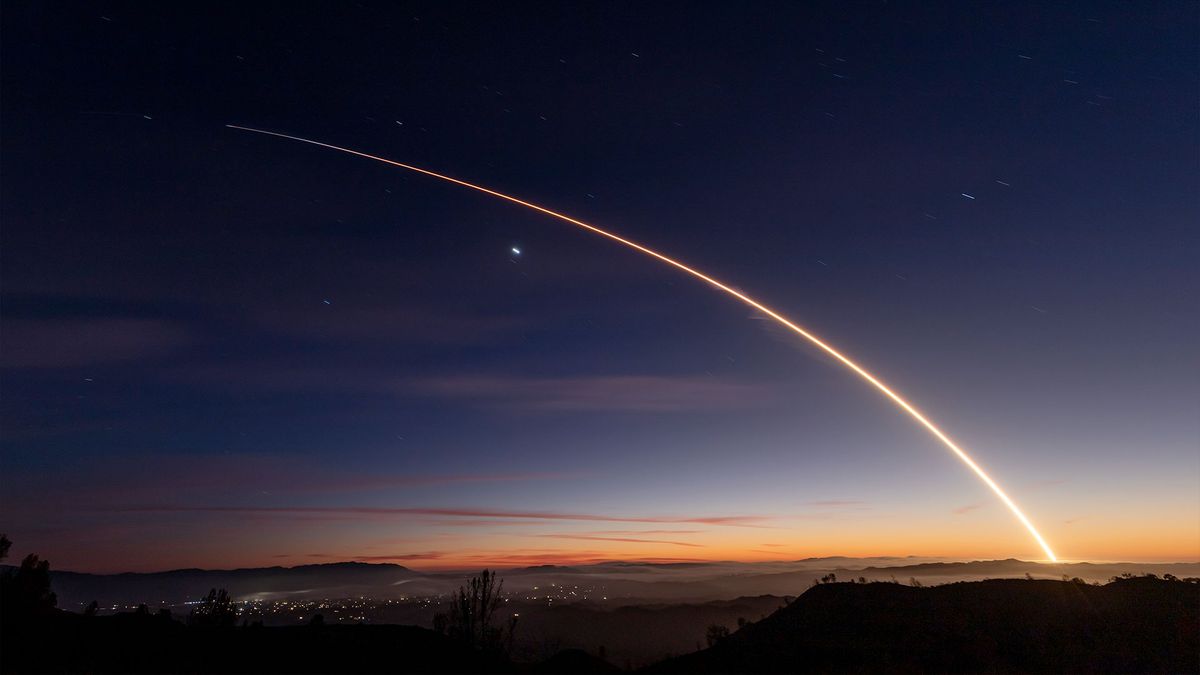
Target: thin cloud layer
x,y
70,343
233,477
620,393
631,540
730,521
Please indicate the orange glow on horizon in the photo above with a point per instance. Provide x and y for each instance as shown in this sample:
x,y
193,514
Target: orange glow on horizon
x,y
745,299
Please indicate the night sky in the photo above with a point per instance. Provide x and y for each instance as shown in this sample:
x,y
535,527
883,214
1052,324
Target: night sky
x,y
224,349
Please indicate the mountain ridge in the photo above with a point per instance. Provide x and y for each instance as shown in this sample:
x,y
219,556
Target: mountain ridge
x,y
999,625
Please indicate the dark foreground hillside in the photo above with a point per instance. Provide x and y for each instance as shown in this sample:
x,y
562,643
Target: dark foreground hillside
x,y
1003,625
131,643
1128,626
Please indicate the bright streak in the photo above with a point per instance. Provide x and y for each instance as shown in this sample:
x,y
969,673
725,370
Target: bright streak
x,y
875,382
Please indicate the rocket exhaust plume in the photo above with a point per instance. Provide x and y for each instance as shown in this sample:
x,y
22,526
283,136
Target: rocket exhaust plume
x,y
745,299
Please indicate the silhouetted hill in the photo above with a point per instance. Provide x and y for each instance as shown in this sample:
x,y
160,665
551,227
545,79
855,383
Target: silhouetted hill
x,y
344,579
63,642
542,569
574,661
135,643
1003,625
1009,625
632,636
1012,567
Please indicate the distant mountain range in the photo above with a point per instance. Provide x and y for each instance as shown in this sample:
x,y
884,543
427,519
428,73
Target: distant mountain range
x,y
341,580
629,582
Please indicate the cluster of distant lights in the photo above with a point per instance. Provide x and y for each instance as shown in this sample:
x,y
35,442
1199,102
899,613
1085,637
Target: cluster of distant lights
x,y
562,593
245,608
357,609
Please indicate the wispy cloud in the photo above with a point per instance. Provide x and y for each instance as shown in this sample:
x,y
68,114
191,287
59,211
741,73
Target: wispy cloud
x,y
837,502
730,521
235,477
427,555
966,509
627,393
362,482
605,533
339,322
558,557
67,343
538,557
631,540
508,393
1047,483
482,522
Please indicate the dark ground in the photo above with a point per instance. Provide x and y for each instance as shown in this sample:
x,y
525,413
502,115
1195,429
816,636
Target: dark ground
x,y
1001,625
1008,625
127,643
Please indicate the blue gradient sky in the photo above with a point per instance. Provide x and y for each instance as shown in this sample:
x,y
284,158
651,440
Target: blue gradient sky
x,y
200,324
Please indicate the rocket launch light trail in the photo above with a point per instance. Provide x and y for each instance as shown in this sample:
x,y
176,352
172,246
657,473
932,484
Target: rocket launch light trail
x,y
745,299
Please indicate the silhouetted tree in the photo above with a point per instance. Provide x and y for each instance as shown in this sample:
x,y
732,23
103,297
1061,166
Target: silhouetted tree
x,y
715,633
829,578
26,591
741,621
472,610
92,609
5,544
215,611
318,620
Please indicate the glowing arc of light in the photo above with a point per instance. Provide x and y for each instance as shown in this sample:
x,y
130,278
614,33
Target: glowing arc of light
x,y
904,405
